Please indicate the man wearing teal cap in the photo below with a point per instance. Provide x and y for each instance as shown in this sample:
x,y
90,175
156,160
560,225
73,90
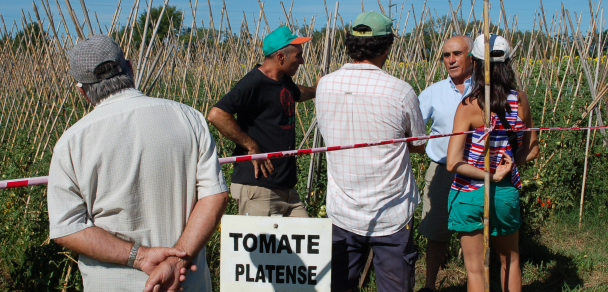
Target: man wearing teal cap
x,y
371,192
264,103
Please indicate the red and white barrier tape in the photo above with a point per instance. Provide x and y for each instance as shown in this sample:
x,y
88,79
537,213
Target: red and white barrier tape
x,y
488,130
23,182
563,129
261,156
333,148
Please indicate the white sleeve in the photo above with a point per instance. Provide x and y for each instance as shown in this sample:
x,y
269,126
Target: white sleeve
x,y
209,176
413,117
66,207
424,100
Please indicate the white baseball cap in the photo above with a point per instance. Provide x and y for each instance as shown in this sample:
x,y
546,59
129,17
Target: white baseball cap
x,y
497,43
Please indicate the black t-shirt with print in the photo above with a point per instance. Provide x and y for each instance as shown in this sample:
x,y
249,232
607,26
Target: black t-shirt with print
x,y
265,110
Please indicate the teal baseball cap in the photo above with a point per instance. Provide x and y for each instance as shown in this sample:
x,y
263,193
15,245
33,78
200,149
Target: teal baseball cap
x,y
279,38
378,22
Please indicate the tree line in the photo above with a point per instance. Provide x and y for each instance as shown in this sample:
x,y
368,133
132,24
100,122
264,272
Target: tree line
x,y
171,24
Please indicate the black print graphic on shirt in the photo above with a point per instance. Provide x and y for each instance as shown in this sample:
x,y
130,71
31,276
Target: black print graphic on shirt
x,y
288,120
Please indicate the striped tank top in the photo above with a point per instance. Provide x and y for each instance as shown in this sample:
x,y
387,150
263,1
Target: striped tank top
x,y
473,151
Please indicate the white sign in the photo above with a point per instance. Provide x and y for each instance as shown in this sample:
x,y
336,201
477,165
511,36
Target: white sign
x,y
275,254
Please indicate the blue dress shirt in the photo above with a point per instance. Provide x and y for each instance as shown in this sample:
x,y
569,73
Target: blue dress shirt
x,y
439,102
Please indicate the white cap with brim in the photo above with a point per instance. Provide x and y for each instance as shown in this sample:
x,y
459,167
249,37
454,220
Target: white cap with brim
x,y
497,43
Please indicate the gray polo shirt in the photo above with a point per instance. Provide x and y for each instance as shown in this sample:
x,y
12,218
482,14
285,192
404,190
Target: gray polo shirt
x,y
134,166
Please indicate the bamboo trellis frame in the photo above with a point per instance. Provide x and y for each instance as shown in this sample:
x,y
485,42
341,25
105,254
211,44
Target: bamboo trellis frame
x,y
38,99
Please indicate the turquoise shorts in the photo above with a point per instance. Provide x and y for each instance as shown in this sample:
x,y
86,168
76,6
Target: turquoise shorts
x,y
466,209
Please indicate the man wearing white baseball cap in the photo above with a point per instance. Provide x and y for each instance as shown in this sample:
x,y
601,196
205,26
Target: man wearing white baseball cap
x,y
132,178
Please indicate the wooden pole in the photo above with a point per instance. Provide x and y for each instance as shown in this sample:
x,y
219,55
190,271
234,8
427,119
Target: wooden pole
x,y
142,67
86,18
486,149
75,20
580,215
114,20
316,140
143,43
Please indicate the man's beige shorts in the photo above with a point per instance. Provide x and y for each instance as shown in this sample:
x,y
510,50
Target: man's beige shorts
x,y
434,223
260,201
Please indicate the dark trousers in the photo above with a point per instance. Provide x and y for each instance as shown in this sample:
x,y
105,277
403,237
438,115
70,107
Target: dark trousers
x,y
394,259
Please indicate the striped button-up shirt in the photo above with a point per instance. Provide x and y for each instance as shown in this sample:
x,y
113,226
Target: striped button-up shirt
x,y
371,191
134,166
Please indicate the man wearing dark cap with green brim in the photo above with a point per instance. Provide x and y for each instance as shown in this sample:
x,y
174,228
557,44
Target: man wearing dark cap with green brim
x,y
371,192
264,102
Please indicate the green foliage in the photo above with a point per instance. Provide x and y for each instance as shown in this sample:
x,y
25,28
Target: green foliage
x,y
169,24
30,262
557,184
24,38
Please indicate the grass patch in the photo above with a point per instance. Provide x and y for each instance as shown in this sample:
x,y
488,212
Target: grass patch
x,y
558,256
568,257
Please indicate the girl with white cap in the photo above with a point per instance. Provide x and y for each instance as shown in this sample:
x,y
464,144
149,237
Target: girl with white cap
x,y
508,149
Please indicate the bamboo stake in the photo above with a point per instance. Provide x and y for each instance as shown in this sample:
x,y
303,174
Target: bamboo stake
x,y
133,14
114,19
586,70
65,25
486,149
35,82
69,271
158,74
51,23
471,13
86,18
580,215
143,43
454,18
150,46
158,55
75,20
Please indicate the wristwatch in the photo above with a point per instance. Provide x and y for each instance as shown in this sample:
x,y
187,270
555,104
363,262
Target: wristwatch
x,y
133,254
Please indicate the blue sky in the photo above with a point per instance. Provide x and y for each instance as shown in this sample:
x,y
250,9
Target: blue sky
x,y
348,9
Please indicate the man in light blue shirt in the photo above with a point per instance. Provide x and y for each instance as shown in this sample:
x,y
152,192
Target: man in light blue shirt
x,y
438,103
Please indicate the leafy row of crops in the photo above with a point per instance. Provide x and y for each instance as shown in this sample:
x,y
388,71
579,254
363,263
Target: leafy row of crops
x,y
563,72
